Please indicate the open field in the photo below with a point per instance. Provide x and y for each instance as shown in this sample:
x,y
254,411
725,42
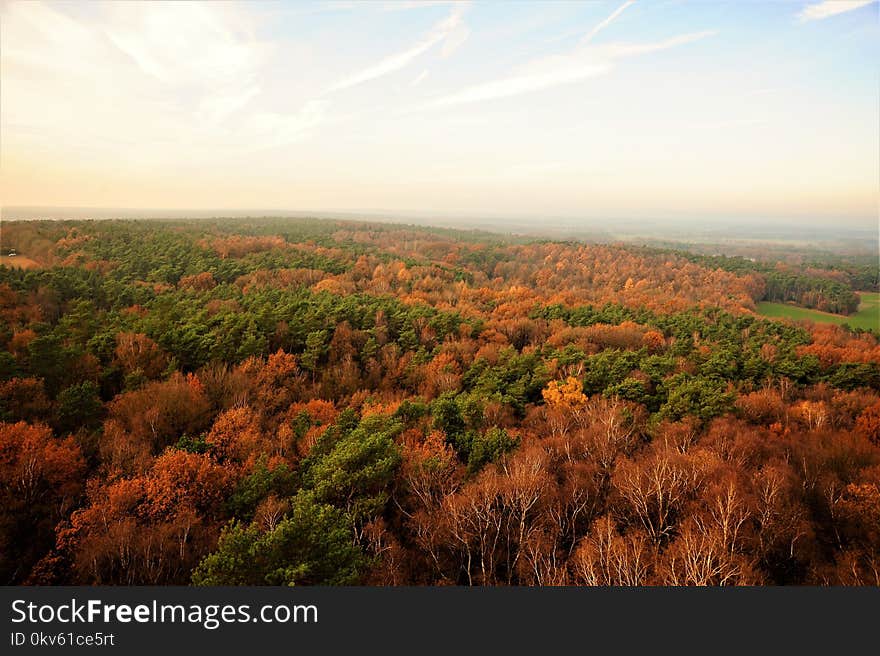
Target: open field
x,y
19,262
868,315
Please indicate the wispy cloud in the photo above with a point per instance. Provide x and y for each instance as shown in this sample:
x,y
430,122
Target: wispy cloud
x,y
620,50
144,75
726,124
402,5
186,44
455,39
271,129
605,23
217,108
583,62
445,29
419,78
829,8
562,70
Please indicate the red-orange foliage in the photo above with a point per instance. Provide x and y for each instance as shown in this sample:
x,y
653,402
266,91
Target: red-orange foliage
x,y
149,529
442,374
833,344
162,411
41,478
19,342
236,436
136,351
239,245
782,487
200,282
280,278
23,398
764,406
33,463
868,423
273,384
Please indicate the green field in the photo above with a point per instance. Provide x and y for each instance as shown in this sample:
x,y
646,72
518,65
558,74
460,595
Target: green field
x,y
868,315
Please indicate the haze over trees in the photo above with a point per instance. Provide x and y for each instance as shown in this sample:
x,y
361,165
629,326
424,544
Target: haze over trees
x,y
283,402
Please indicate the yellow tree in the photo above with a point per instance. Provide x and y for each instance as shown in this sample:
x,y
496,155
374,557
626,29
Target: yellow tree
x,y
565,394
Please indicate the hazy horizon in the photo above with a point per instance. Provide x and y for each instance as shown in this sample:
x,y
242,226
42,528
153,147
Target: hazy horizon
x,y
772,234
574,112
27,211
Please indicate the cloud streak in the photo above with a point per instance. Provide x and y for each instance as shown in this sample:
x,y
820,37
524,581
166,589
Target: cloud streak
x,y
564,73
605,23
445,29
419,78
828,8
582,63
405,5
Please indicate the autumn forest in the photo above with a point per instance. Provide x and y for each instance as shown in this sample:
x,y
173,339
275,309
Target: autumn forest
x,y
321,402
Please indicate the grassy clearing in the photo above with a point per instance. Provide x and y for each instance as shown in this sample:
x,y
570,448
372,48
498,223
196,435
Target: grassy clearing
x,y
19,262
868,315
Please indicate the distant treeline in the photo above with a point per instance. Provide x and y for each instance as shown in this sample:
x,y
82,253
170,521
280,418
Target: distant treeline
x,y
821,285
811,292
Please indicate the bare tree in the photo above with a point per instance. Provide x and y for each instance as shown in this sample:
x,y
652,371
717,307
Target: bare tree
x,y
605,557
655,489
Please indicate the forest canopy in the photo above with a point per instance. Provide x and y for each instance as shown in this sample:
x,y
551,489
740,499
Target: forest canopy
x,y
289,402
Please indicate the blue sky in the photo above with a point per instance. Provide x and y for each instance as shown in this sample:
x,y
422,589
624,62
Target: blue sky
x,y
601,110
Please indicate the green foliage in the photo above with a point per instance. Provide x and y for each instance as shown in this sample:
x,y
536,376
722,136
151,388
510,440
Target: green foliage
x,y
460,417
723,362
345,423
698,396
657,367
316,347
258,485
447,416
631,389
821,292
488,447
609,368
516,380
192,444
79,406
412,410
49,360
867,317
313,545
800,369
8,366
810,291
252,297
356,471
850,375
471,407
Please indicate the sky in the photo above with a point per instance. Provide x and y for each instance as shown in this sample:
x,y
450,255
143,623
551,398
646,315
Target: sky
x,y
705,111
